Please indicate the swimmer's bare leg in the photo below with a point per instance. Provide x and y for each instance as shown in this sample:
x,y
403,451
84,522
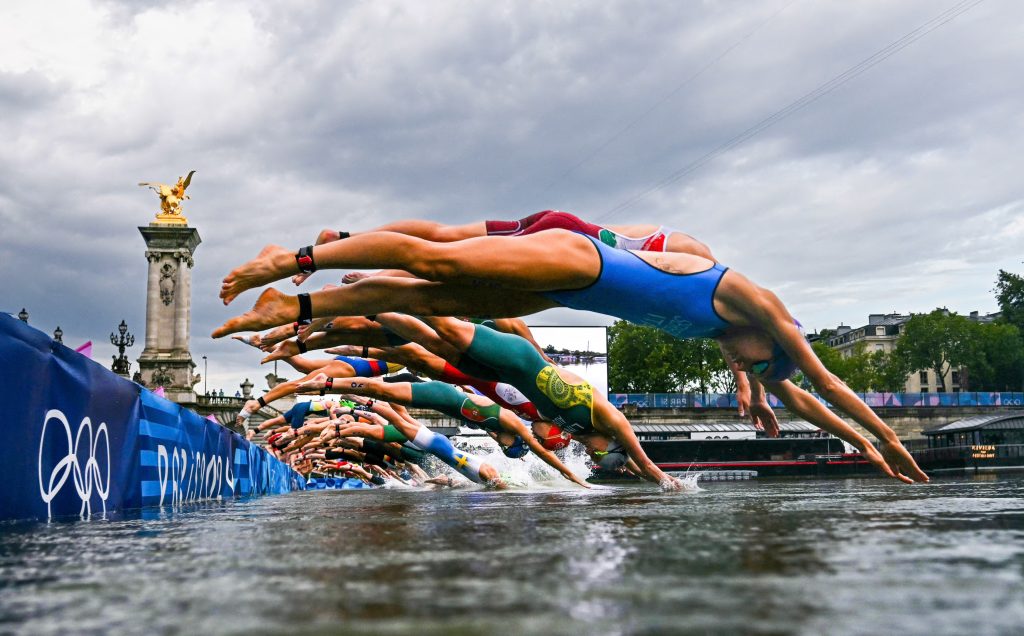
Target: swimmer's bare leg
x,y
377,295
555,259
428,230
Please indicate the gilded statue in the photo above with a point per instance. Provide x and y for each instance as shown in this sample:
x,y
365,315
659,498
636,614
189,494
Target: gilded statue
x,y
171,197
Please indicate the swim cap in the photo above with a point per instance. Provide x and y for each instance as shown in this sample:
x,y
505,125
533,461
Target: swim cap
x,y
556,439
611,459
517,449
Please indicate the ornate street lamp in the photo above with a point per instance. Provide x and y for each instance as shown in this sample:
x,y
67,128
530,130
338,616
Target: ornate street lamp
x,y
23,315
121,364
58,335
246,388
206,377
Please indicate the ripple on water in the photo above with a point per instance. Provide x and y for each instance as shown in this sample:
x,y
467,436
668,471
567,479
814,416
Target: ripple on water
x,y
786,556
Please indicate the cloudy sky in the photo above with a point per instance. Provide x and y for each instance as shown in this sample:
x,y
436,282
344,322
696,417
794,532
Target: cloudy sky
x,y
898,190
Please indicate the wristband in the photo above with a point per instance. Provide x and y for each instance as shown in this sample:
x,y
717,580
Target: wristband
x,y
262,401
329,384
304,260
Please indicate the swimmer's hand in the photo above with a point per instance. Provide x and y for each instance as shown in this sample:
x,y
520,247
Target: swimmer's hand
x,y
314,384
743,400
870,453
763,418
901,463
671,484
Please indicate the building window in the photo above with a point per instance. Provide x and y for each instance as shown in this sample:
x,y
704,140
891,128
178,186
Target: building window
x,y
956,377
923,376
879,331
879,347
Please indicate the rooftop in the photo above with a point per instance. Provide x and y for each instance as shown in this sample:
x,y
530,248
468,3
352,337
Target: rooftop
x,y
1014,419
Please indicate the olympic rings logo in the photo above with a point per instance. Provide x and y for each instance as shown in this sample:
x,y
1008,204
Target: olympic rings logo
x,y
85,477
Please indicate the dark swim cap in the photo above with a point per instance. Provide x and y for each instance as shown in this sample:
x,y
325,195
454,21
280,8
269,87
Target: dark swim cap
x,y
612,458
517,449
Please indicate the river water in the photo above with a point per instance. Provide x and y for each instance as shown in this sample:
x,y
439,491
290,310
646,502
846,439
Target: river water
x,y
857,556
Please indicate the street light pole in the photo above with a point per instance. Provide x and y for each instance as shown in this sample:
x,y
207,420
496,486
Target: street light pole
x,y
206,377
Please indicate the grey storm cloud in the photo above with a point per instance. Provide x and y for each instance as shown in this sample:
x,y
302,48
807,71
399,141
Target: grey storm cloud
x,y
899,190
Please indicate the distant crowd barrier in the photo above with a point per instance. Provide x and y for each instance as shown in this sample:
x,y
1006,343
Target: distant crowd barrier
x,y
80,440
906,400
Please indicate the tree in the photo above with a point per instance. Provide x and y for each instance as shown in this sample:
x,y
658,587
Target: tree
x,y
856,369
639,360
1010,295
939,341
890,370
646,360
996,359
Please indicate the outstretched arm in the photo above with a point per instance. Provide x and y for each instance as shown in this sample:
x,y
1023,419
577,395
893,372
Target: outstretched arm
x,y
611,421
743,389
762,416
804,405
767,310
513,424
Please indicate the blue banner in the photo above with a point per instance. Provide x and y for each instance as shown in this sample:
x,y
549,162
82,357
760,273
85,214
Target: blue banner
x,y
899,400
80,440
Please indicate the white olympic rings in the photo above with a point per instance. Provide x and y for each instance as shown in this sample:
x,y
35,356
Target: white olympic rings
x,y
85,476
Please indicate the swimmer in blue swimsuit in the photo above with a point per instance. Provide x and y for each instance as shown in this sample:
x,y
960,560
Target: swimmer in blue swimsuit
x,y
686,295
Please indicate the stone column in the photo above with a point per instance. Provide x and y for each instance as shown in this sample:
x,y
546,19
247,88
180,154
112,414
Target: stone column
x,y
168,306
181,302
152,300
188,300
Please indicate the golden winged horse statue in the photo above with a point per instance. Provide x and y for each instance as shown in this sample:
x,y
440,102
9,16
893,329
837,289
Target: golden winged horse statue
x,y
170,196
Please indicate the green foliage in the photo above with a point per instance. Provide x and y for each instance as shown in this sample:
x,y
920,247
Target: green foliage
x,y
890,371
939,341
1010,295
857,370
996,361
645,360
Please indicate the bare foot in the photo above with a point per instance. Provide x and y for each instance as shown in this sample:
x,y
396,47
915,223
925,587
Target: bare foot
x,y
273,263
313,384
305,331
355,277
286,349
276,335
272,308
252,341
